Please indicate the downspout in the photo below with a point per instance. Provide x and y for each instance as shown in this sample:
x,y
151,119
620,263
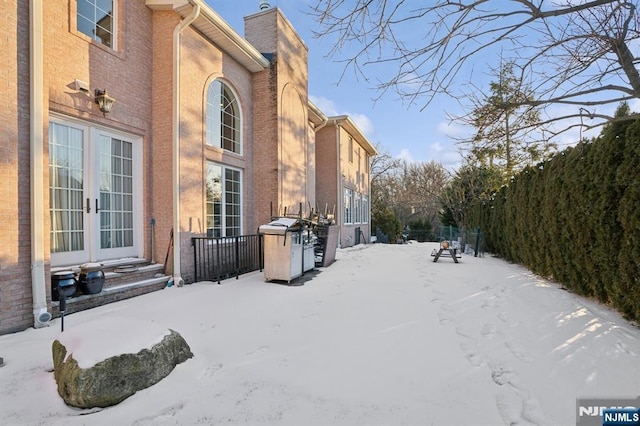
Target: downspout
x,y
339,207
177,234
369,195
321,125
36,134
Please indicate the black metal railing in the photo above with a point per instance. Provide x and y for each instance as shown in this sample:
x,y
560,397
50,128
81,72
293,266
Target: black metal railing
x,y
218,258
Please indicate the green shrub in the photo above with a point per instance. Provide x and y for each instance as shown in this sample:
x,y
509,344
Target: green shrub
x,y
575,218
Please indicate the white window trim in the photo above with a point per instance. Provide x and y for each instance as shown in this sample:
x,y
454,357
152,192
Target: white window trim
x,y
365,209
90,131
348,212
224,194
115,28
216,131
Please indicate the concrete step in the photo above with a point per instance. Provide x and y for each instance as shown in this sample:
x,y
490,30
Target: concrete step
x,y
131,273
124,278
110,295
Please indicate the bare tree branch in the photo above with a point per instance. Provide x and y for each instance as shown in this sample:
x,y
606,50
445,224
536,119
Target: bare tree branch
x,y
571,53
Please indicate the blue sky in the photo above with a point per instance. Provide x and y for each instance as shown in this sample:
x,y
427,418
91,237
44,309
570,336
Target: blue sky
x,y
402,130
399,129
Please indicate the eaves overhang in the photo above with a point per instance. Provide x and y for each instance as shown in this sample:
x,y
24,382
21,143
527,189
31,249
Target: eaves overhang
x,y
316,116
350,127
217,30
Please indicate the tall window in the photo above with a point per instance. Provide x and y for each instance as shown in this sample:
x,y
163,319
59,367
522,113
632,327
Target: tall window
x,y
223,118
116,193
224,199
358,208
365,209
348,206
66,188
96,19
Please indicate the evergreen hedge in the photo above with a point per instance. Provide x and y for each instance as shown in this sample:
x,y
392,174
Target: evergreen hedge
x,y
575,218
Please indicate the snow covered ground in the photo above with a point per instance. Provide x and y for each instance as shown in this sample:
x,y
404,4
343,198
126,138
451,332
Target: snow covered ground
x,y
384,336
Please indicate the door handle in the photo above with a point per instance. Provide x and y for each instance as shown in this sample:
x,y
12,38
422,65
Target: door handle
x,y
88,205
97,207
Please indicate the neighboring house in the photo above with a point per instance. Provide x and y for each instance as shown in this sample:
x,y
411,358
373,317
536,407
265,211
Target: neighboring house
x,y
210,134
345,190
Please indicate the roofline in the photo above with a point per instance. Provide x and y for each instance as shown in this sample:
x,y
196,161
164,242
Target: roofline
x,y
231,42
347,123
317,113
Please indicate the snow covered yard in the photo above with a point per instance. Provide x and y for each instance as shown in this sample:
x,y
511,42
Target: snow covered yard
x,y
384,336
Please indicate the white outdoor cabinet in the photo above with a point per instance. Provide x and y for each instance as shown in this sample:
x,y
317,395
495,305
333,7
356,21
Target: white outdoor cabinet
x,y
283,250
309,260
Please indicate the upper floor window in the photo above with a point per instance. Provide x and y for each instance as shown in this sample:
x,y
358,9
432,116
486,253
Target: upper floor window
x,y
223,118
96,19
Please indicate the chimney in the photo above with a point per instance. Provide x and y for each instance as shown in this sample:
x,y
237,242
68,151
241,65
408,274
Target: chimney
x,y
264,5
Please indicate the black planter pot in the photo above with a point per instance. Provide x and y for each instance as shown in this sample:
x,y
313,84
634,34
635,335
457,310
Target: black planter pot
x,y
91,278
63,284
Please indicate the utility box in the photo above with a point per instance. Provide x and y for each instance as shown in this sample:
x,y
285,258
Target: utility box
x,y
308,256
327,245
287,255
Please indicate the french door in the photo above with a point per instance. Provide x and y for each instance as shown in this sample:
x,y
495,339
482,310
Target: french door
x,y
94,193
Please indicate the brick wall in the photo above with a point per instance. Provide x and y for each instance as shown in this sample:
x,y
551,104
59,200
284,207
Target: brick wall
x,y
15,237
293,107
277,160
161,150
326,158
201,64
260,30
353,175
354,171
283,142
264,185
310,190
67,56
125,72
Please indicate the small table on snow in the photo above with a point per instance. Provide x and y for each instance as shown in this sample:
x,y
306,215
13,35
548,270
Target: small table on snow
x,y
451,251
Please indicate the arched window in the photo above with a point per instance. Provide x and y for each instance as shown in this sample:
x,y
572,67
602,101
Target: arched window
x,y
223,118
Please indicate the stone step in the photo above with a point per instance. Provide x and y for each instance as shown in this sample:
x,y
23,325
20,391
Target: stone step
x,y
110,295
107,265
131,273
124,278
121,271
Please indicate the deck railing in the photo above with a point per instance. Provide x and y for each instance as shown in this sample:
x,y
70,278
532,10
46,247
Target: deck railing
x,y
219,258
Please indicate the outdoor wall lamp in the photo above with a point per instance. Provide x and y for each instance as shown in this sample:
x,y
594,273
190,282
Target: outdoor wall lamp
x,y
104,101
